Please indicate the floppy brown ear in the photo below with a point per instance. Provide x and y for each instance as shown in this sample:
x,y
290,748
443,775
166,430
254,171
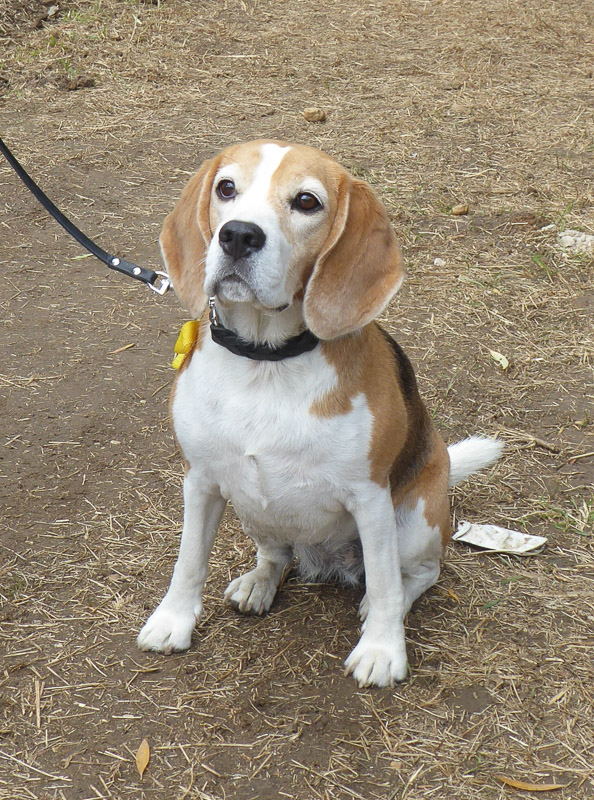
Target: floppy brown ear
x,y
359,268
185,237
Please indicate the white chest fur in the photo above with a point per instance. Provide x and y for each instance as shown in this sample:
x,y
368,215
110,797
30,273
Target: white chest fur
x,y
247,427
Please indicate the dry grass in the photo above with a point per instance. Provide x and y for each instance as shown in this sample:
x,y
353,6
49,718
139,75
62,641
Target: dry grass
x,y
436,104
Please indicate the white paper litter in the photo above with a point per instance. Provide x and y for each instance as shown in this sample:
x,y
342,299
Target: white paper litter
x,y
499,540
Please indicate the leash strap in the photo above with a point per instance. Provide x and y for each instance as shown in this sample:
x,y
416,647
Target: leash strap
x,y
157,281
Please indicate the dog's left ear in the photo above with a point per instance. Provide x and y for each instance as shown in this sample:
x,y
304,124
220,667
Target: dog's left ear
x,y
359,268
185,238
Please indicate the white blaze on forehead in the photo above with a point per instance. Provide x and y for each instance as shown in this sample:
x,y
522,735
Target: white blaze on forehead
x,y
252,201
272,155
253,205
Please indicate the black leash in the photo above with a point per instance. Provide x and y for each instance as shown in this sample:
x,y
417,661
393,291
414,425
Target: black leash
x,y
157,281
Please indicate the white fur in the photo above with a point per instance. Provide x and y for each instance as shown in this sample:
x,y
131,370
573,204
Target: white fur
x,y
471,455
296,481
264,273
247,431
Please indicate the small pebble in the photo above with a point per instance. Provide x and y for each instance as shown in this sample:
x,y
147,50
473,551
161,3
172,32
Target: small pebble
x,y
314,114
452,85
460,210
439,262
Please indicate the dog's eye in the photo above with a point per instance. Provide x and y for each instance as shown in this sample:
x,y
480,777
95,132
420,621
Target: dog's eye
x,y
305,201
226,190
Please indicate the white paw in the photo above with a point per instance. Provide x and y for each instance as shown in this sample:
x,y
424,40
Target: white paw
x,y
167,630
374,663
253,592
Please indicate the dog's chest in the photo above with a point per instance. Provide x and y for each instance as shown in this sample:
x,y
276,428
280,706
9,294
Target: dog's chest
x,y
250,429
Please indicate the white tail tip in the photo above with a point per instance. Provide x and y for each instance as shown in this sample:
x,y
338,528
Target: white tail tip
x,y
472,454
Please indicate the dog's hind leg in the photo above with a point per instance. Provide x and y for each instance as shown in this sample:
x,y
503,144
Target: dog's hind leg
x,y
416,580
423,522
254,592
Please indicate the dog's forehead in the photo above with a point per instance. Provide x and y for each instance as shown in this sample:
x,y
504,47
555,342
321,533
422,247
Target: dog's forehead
x,y
281,163
249,156
301,163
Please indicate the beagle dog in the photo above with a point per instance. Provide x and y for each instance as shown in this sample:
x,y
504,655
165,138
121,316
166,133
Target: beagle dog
x,y
295,406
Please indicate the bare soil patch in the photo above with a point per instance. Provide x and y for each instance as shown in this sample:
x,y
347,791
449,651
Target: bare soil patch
x,y
112,104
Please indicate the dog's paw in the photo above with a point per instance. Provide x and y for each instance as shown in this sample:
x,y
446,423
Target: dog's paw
x,y
167,630
252,593
375,663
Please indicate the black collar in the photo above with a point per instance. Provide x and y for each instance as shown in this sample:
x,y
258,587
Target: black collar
x,y
262,352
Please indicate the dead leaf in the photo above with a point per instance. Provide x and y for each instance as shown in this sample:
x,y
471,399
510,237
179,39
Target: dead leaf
x,y
143,755
499,358
314,114
529,787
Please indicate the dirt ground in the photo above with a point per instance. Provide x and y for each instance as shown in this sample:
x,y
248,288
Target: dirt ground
x,y
112,104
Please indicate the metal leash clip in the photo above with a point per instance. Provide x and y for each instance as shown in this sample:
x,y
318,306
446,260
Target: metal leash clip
x,y
212,312
162,283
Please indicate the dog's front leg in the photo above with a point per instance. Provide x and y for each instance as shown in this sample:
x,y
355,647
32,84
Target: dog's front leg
x,y
170,626
380,657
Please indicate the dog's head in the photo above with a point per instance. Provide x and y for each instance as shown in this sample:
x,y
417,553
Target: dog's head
x,y
267,223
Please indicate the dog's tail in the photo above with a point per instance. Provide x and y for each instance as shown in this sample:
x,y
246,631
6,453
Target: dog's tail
x,y
472,454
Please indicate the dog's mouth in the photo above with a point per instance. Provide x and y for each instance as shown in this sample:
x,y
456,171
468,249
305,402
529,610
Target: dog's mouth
x,y
233,279
233,288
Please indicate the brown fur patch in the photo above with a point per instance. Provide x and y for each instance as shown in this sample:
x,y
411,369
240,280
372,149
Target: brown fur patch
x,y
405,448
298,165
365,364
432,486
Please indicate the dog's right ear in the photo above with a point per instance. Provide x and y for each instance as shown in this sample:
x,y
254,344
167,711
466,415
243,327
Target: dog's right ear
x,y
185,238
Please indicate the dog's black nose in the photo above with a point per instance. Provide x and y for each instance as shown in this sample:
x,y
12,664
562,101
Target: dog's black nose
x,y
239,239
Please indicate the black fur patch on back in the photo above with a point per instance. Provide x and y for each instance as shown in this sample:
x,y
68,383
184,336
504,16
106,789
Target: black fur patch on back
x,y
415,452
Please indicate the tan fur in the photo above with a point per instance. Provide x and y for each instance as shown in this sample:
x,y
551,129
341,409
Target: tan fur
x,y
366,365
348,272
359,268
432,485
185,237
302,161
